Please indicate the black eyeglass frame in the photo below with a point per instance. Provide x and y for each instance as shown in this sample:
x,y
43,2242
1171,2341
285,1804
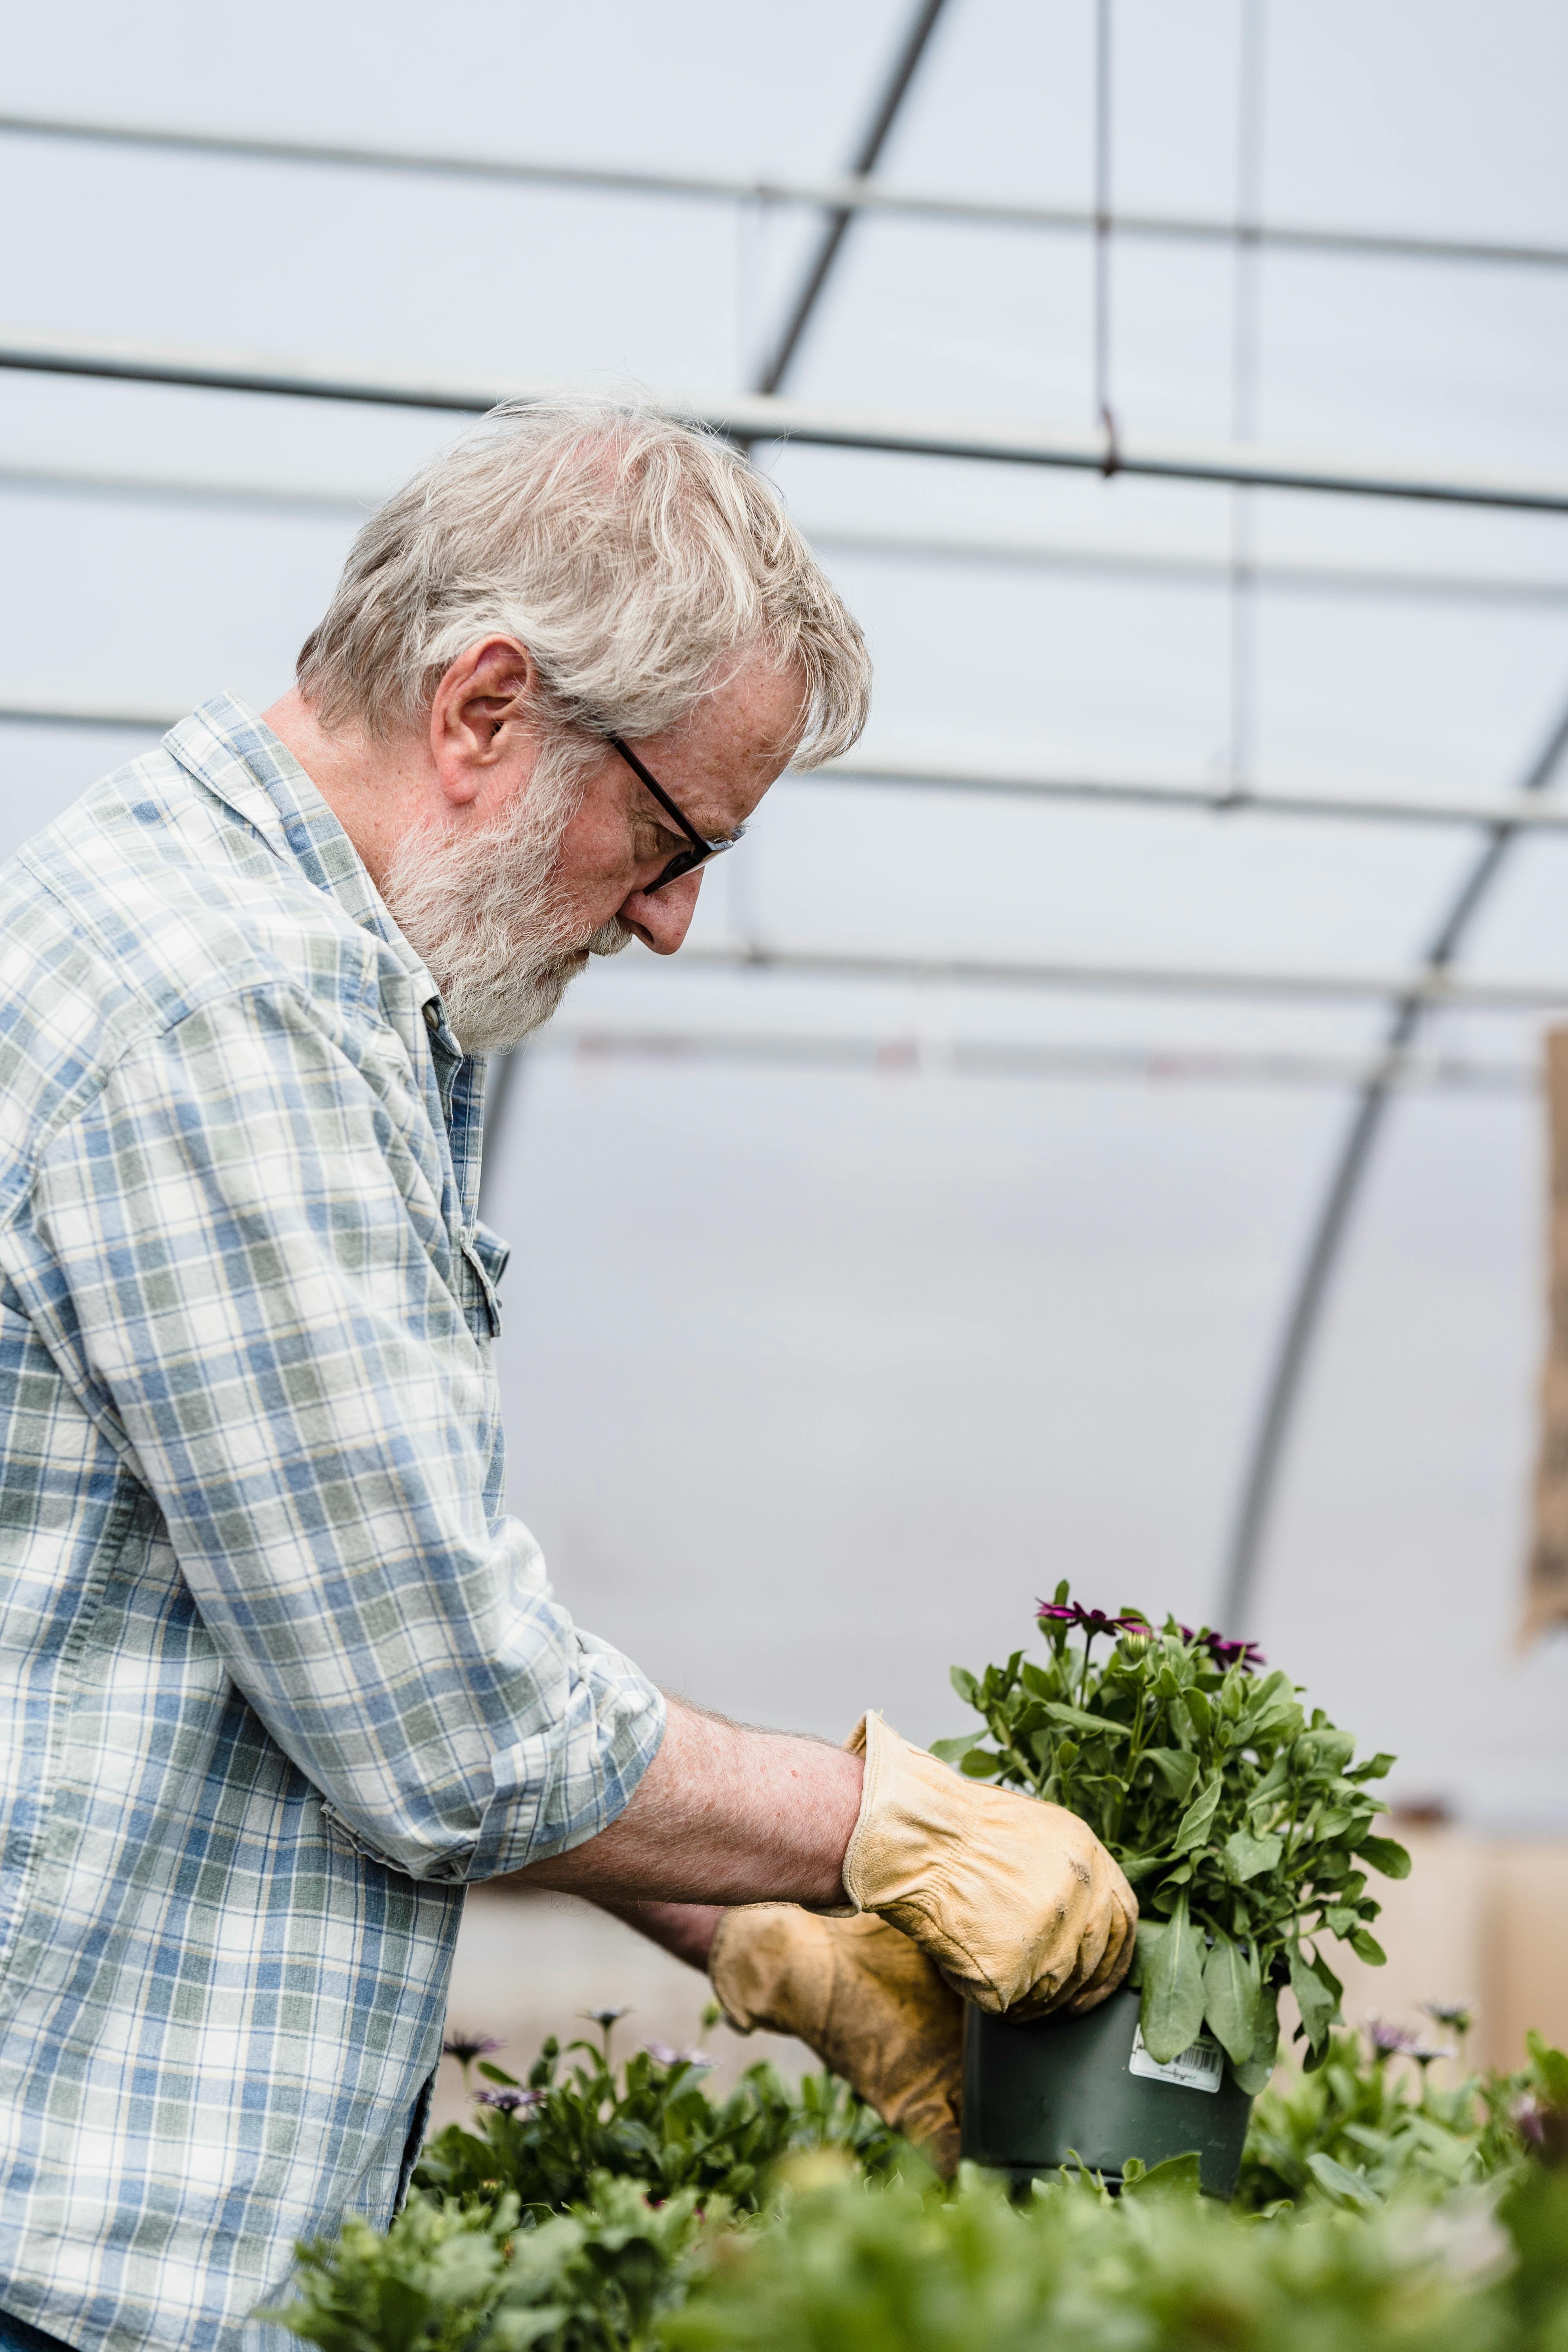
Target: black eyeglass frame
x,y
685,861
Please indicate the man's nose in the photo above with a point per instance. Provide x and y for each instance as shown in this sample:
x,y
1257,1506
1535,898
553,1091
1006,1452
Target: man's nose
x,y
661,918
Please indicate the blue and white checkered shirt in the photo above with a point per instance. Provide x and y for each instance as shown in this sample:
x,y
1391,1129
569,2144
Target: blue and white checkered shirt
x,y
277,1674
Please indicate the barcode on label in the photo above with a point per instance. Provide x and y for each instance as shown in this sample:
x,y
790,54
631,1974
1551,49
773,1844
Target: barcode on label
x,y
1199,2067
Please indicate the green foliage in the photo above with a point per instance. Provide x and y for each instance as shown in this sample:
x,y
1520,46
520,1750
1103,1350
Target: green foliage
x,y
447,2277
1243,1823
1370,2124
848,2270
649,2122
1387,2214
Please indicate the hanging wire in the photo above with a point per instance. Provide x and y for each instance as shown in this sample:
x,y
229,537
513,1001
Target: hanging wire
x,y
1246,342
1103,99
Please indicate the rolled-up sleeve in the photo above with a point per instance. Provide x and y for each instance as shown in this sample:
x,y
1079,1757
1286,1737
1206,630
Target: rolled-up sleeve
x,y
253,1287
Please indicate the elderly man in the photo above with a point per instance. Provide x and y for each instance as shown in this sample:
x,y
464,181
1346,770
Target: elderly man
x,y
280,1674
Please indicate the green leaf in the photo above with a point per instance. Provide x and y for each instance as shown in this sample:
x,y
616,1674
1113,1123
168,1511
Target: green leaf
x,y
964,1683
1367,1947
1178,2176
497,2075
1200,1712
1343,2186
1550,2065
1078,1720
1172,2011
1252,2074
1390,1859
1326,1749
979,1765
1194,1826
952,1751
1310,1981
1176,1767
1249,1857
1135,1867
1230,1998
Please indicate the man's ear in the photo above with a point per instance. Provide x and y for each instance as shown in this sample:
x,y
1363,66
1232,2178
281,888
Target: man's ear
x,y
484,702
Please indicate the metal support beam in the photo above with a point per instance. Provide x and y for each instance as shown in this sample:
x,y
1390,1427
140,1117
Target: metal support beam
x,y
867,157
834,196
909,1056
1438,991
1221,800
1074,562
759,417
1239,1586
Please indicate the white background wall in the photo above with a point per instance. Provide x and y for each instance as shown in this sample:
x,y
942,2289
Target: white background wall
x,y
815,1380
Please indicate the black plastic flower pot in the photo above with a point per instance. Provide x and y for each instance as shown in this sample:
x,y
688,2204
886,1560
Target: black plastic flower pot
x,y
1083,2089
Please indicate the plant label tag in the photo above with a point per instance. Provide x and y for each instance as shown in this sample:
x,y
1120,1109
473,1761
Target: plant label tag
x,y
1199,2067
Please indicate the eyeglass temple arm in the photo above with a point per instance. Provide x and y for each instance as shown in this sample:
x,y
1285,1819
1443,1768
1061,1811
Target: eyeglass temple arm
x,y
660,795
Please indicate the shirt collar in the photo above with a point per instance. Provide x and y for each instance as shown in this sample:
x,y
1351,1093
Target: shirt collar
x,y
231,751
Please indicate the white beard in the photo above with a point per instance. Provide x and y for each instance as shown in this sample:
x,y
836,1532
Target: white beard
x,y
484,910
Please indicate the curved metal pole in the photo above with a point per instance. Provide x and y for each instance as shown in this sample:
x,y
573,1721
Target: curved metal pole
x,y
1238,1588
867,156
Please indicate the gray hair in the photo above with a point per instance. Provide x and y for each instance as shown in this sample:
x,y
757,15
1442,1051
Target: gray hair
x,y
634,557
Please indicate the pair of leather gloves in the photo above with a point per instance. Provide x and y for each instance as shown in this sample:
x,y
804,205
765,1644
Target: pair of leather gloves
x,y
960,1893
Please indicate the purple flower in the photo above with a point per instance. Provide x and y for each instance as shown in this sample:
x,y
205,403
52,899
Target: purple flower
x,y
510,2102
604,2018
1529,2120
663,2054
1390,2041
1093,1620
1457,2016
1543,2128
1223,1651
466,2047
1234,1654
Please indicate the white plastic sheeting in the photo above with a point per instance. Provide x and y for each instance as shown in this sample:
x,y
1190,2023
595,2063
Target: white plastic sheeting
x,y
816,1379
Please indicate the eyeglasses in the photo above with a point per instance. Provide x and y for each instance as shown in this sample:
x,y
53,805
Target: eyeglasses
x,y
685,861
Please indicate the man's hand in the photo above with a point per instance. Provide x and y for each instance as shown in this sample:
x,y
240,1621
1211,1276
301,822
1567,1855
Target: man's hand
x,y
862,1997
1016,1903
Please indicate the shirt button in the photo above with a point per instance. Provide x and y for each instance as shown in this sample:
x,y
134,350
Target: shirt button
x,y
432,1018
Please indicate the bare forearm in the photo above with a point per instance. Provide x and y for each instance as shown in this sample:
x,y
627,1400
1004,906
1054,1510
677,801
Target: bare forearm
x,y
724,1814
686,1930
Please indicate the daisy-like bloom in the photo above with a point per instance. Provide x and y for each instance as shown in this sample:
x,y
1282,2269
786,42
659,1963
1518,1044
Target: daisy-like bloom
x,y
510,2100
1222,1650
604,2018
1390,2041
466,2047
664,2054
1455,2016
1092,1620
1231,1653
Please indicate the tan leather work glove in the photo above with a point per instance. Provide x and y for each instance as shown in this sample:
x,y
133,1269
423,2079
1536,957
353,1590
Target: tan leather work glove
x,y
862,1997
1016,1903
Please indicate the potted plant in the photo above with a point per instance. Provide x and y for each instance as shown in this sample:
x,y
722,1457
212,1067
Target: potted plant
x,y
1247,1831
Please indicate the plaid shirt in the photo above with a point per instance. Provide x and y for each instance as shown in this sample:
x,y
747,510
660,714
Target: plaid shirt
x,y
277,1674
